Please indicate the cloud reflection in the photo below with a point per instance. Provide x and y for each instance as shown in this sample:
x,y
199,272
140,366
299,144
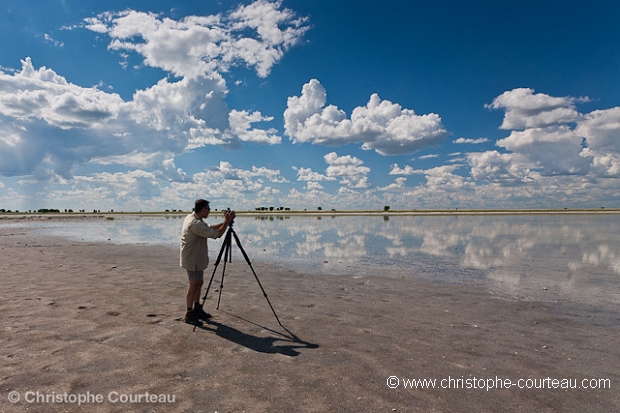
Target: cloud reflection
x,y
557,256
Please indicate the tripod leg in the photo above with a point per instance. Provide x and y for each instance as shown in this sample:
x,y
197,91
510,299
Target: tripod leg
x,y
247,259
226,255
227,258
225,246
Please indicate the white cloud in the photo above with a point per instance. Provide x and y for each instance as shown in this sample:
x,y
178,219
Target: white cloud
x,y
49,126
119,188
407,170
398,184
547,142
601,130
307,174
444,177
49,39
348,169
501,167
553,158
256,35
554,149
52,121
471,141
240,126
524,109
381,125
313,186
227,172
42,95
272,175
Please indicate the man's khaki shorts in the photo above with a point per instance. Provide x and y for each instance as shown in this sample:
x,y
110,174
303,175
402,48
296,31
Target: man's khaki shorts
x,y
195,275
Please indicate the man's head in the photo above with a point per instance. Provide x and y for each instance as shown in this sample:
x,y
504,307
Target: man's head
x,y
201,207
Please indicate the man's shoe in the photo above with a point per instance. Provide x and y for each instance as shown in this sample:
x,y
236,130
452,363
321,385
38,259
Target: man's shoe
x,y
200,312
191,317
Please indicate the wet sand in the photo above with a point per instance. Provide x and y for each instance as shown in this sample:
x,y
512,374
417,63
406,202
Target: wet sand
x,y
103,322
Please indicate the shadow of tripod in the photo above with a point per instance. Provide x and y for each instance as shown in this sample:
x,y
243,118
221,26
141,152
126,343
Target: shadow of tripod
x,y
226,252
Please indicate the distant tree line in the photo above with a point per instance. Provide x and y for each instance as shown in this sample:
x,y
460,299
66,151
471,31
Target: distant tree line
x,y
98,211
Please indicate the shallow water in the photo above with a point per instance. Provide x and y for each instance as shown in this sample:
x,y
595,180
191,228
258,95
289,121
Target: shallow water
x,y
549,257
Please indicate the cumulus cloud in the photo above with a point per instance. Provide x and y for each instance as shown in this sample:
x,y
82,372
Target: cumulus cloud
x,y
32,95
397,170
313,186
240,126
556,150
398,184
444,177
307,174
601,132
549,138
524,109
439,177
226,171
256,35
381,125
48,125
501,167
50,120
349,170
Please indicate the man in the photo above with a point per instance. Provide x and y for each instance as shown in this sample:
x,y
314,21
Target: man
x,y
194,254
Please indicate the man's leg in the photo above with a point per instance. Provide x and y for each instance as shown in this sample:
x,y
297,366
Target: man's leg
x,y
197,307
193,293
193,296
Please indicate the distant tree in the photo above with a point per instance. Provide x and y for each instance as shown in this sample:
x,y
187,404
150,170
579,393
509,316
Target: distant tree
x,y
271,208
320,208
386,208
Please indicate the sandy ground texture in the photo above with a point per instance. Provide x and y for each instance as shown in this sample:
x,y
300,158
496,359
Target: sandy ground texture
x,y
100,325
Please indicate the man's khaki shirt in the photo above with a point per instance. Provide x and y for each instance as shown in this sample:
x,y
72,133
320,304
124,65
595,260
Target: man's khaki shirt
x,y
194,250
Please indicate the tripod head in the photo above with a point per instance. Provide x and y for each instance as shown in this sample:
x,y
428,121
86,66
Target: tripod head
x,y
232,221
230,224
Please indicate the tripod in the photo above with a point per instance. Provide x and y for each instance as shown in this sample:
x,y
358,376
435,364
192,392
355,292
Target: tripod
x,y
226,252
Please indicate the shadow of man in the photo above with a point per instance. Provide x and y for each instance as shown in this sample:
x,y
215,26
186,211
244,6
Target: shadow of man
x,y
288,347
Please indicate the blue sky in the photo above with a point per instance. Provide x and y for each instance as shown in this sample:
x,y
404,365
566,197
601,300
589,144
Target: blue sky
x,y
145,106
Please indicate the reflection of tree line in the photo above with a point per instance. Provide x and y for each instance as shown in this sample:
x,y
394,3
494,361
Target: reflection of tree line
x,y
272,218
